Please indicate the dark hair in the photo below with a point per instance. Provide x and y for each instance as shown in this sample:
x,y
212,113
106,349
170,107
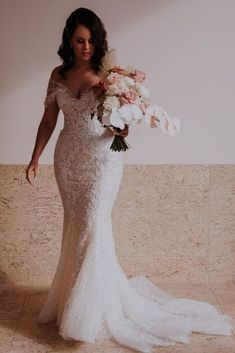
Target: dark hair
x,y
88,18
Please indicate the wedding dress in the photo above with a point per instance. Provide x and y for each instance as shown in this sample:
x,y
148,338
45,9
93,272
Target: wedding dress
x,y
91,298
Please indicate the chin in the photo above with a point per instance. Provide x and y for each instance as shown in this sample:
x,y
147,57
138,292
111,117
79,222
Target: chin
x,y
85,58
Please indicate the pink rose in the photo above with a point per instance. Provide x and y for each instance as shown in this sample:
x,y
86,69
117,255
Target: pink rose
x,y
114,80
138,76
129,97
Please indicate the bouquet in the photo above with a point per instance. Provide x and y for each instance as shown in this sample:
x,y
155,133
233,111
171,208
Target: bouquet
x,y
124,100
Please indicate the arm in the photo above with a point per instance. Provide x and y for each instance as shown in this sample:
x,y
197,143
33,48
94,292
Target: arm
x,y
45,130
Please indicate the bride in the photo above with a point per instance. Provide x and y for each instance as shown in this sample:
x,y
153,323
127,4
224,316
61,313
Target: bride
x,y
90,297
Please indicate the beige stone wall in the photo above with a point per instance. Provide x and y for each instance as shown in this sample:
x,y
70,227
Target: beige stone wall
x,y
173,222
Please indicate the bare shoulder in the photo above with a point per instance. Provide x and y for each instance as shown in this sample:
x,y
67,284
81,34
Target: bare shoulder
x,y
55,75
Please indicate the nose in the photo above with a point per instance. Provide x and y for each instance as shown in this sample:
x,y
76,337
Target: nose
x,y
86,45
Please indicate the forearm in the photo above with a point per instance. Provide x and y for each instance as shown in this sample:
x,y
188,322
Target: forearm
x,y
44,133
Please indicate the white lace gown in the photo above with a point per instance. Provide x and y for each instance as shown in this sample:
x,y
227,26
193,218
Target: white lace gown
x,y
91,298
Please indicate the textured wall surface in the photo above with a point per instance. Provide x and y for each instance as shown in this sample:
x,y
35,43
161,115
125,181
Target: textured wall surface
x,y
189,68
176,223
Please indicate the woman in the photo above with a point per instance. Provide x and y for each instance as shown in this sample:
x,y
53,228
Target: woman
x,y
90,297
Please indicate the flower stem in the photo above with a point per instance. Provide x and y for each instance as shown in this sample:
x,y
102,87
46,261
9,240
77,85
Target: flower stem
x,y
119,144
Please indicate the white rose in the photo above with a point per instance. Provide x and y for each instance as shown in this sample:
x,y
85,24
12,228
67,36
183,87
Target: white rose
x,y
117,88
118,84
128,81
111,103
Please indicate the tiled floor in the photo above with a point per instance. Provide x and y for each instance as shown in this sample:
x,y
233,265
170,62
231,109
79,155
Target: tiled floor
x,y
20,333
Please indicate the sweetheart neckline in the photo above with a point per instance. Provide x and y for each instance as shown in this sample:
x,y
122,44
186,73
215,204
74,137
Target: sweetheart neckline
x,y
81,93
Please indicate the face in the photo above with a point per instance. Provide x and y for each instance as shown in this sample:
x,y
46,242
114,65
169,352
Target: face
x,y
82,43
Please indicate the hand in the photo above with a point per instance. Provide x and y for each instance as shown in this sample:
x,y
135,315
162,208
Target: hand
x,y
124,132
32,171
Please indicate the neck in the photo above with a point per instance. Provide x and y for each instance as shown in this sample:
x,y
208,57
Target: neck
x,y
80,65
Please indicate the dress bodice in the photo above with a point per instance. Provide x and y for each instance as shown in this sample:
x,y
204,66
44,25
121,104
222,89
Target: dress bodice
x,y
82,130
79,113
65,98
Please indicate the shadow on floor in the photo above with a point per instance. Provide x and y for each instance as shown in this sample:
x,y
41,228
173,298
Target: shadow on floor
x,y
19,307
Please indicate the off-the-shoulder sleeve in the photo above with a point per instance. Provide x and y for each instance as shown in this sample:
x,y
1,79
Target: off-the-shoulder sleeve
x,y
51,93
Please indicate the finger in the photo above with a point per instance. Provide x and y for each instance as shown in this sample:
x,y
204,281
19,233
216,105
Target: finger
x,y
29,177
35,172
111,130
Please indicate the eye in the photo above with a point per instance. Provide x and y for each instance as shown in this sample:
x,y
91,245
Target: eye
x,y
79,40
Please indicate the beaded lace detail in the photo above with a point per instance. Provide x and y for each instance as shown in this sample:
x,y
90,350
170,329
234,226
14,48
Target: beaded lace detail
x,y
90,297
